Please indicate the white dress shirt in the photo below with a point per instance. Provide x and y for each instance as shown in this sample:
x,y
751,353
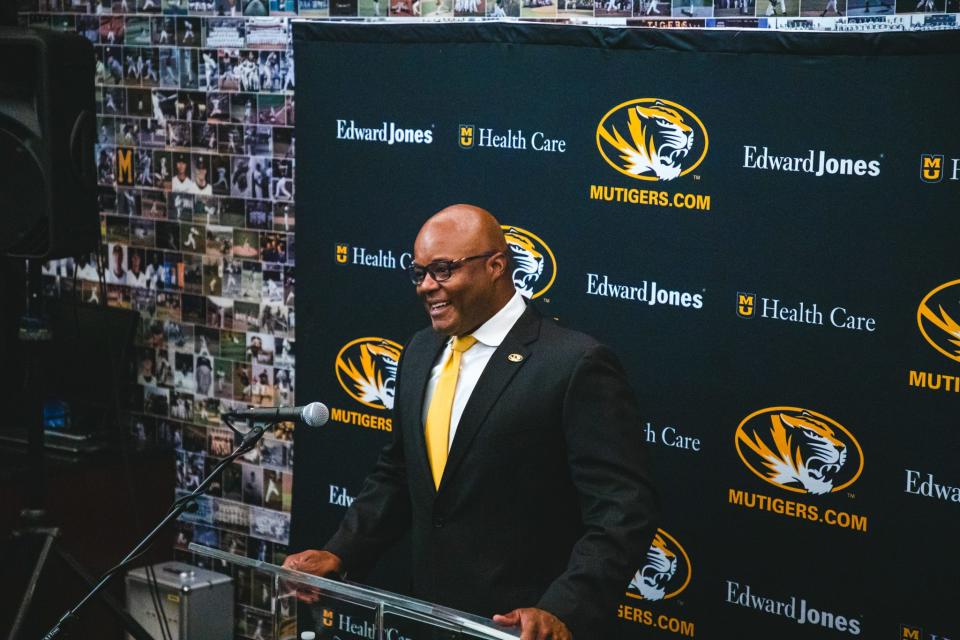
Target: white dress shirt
x,y
182,186
472,363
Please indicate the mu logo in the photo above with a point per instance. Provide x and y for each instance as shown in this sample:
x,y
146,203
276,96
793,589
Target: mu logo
x,y
799,450
931,167
746,304
937,316
652,139
467,132
534,267
666,573
367,370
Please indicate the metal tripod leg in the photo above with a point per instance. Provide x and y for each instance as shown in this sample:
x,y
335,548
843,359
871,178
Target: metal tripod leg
x,y
49,546
49,536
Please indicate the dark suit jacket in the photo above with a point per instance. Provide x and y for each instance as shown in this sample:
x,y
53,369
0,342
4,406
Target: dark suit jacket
x,y
545,500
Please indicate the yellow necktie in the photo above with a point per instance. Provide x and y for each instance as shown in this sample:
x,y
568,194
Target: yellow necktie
x,y
441,407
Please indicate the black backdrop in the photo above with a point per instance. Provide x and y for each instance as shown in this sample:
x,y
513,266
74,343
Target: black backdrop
x,y
758,270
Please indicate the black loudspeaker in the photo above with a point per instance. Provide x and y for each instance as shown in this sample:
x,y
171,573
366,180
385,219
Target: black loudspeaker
x,y
47,127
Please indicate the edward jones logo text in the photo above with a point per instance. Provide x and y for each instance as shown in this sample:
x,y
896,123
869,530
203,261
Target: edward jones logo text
x,y
385,132
652,139
795,609
816,162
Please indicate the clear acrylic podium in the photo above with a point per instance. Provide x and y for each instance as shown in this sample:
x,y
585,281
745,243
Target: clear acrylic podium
x,y
349,611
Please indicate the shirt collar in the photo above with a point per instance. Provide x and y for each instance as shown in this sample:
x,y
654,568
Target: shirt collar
x,y
493,331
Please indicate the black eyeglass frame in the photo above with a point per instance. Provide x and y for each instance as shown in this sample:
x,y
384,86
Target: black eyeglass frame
x,y
419,273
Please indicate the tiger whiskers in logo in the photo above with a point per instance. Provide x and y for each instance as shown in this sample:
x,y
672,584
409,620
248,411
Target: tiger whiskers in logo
x,y
666,573
367,370
652,139
799,450
936,323
533,263
937,317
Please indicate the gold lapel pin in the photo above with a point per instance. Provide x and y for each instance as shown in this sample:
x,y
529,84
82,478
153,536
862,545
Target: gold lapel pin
x,y
514,357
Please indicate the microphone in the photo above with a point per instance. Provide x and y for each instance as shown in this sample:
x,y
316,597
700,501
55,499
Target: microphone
x,y
314,414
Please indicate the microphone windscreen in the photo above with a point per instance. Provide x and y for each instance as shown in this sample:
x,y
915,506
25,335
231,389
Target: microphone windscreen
x,y
315,414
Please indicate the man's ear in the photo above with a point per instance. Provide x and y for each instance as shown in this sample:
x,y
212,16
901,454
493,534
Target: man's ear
x,y
500,264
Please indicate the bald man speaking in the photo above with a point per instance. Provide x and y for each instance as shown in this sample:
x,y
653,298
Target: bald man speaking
x,y
517,461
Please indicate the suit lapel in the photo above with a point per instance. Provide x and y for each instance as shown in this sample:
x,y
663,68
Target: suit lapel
x,y
498,373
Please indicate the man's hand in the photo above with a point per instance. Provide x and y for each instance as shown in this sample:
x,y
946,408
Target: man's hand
x,y
535,624
319,563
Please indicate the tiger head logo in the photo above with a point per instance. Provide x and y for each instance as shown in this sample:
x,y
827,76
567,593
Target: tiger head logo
x,y
367,370
937,325
666,572
659,139
799,450
534,267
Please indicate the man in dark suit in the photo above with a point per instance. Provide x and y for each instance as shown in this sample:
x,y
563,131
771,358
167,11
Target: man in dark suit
x,y
517,461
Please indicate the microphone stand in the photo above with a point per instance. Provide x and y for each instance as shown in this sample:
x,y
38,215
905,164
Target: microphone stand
x,y
247,443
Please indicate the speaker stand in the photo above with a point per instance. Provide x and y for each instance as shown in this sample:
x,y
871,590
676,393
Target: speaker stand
x,y
32,532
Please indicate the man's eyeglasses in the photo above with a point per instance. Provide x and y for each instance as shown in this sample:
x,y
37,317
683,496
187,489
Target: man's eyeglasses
x,y
440,270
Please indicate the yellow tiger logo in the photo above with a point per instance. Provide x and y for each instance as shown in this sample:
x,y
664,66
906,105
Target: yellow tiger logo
x,y
658,136
652,580
371,379
947,339
526,260
534,266
799,451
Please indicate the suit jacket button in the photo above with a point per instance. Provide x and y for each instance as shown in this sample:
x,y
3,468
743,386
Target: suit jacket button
x,y
438,523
